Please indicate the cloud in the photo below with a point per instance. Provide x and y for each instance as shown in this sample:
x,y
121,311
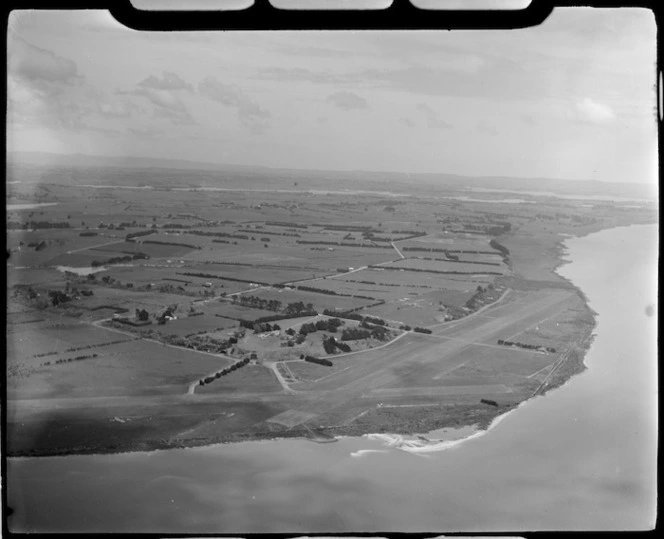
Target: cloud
x,y
527,119
45,90
249,113
300,74
117,108
486,127
431,116
407,122
169,81
166,104
347,101
594,112
36,65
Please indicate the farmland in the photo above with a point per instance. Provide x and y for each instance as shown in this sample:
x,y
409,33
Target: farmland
x,y
172,313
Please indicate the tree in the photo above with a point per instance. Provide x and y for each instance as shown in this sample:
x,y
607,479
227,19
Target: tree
x,y
142,315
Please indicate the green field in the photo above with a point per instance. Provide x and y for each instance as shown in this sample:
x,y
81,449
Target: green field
x,y
136,394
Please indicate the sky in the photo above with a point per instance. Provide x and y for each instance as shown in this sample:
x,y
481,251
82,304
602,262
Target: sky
x,y
573,98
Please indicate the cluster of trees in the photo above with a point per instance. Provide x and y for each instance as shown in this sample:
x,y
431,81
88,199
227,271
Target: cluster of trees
x,y
318,360
217,234
343,244
346,315
132,235
258,303
249,324
454,258
176,226
500,247
355,316
365,331
447,251
84,347
480,296
210,276
224,372
58,296
16,225
331,345
292,310
176,244
300,309
119,259
410,232
499,228
440,271
422,330
37,245
375,320
317,290
549,349
293,235
195,342
168,313
349,228
142,315
69,360
259,327
285,223
330,325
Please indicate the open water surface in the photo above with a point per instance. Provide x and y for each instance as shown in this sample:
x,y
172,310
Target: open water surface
x,y
580,458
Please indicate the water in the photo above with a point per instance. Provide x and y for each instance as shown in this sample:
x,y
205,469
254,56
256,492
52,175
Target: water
x,y
492,201
598,198
18,207
582,457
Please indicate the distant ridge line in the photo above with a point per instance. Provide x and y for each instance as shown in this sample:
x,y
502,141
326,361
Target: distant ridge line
x,y
442,178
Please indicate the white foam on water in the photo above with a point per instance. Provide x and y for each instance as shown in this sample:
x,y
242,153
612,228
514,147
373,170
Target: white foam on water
x,y
363,452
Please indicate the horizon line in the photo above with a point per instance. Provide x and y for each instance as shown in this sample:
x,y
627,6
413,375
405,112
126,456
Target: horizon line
x,y
204,165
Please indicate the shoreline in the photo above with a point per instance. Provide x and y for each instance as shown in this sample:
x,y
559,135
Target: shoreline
x,y
443,440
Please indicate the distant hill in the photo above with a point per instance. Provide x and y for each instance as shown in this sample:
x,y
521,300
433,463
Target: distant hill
x,y
115,170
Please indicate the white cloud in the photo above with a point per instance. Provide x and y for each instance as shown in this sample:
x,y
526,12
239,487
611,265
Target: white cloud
x,y
33,64
168,81
592,111
432,119
347,101
249,113
166,104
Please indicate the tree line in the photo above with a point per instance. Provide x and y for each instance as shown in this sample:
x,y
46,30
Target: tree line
x,y
119,259
549,349
223,372
16,225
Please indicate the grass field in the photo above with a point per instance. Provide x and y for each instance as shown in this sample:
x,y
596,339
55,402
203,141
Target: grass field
x,y
250,379
439,265
319,301
134,394
128,368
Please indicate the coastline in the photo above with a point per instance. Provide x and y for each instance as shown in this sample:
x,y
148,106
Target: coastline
x,y
439,432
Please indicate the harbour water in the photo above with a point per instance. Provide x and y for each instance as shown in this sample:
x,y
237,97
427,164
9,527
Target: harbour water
x,y
582,457
29,206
